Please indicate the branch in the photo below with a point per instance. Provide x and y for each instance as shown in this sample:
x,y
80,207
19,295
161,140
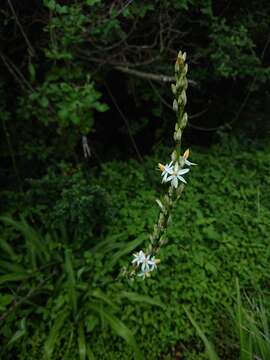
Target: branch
x,y
30,47
150,76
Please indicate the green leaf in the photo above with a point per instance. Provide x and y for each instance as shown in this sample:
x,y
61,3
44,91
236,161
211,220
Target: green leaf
x,y
209,347
126,249
13,277
92,2
132,296
32,71
120,329
7,248
44,102
19,333
71,283
5,300
81,342
7,266
89,353
100,295
54,334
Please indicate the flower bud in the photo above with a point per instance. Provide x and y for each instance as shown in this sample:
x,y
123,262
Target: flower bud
x,y
177,135
174,88
182,98
175,105
185,70
184,56
184,120
161,220
174,155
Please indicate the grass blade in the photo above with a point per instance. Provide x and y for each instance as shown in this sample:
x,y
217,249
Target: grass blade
x,y
208,346
132,296
71,283
54,334
81,342
119,328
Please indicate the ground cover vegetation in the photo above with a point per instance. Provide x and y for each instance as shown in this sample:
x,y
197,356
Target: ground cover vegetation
x,y
86,111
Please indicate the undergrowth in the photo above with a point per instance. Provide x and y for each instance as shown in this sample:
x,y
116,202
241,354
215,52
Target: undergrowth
x,y
220,231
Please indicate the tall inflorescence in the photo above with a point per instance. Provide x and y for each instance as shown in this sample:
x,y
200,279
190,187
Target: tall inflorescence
x,y
144,262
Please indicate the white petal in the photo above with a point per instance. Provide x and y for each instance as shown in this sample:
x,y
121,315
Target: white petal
x,y
145,267
182,171
189,163
182,179
169,178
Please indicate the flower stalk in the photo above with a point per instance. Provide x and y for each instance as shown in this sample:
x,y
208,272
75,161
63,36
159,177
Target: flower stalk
x,y
146,262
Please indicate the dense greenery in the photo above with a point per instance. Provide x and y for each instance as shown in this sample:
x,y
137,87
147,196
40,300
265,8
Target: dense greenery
x,y
86,116
220,231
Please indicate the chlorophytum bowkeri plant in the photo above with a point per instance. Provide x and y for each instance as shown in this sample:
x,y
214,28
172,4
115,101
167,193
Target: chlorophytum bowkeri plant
x,y
172,173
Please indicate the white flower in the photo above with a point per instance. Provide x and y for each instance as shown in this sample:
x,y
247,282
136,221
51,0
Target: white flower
x,y
166,170
138,258
177,175
146,263
144,260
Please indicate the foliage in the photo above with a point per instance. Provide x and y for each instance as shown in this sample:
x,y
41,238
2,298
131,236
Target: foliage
x,y
207,234
63,101
251,324
72,198
54,296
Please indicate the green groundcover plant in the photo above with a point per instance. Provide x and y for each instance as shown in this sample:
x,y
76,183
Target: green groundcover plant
x,y
220,230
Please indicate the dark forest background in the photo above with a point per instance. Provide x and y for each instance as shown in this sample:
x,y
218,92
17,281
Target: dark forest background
x,y
103,69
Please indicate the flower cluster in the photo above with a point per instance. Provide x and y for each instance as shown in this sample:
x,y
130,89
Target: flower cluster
x,y
173,171
145,262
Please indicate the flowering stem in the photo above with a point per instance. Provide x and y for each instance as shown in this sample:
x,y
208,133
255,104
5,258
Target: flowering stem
x,y
173,172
